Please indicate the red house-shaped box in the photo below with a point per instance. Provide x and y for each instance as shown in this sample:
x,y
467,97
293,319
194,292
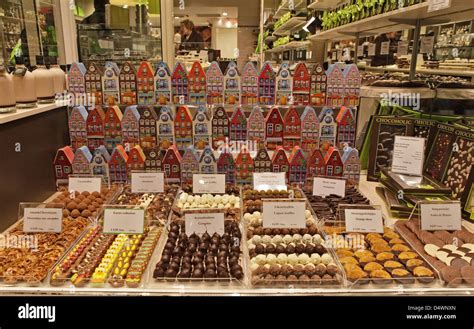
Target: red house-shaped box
x,y
249,85
274,129
215,84
243,167
147,125
318,86
172,165
280,161
335,86
112,127
226,165
220,127
297,165
95,128
128,84
75,78
352,82
63,165
292,129
197,84
136,160
183,128
346,126
77,126
266,85
238,125
145,84
118,165
333,163
130,126
315,167
179,84
262,161
301,85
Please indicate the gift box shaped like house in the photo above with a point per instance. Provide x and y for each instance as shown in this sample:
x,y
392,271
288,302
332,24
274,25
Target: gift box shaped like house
x,y
63,165
301,85
163,84
214,84
128,84
145,84
249,85
197,84
284,83
231,84
110,84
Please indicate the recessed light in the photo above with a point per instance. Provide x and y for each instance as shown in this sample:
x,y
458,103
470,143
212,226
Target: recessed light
x,y
224,14
125,6
176,17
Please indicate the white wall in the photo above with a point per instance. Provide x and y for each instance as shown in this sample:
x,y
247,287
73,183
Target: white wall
x,y
226,41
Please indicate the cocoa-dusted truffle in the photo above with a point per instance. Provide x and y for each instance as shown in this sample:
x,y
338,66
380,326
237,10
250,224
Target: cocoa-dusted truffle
x,y
286,269
332,269
320,269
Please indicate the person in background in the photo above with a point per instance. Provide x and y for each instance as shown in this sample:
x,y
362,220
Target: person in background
x,y
190,39
383,60
206,37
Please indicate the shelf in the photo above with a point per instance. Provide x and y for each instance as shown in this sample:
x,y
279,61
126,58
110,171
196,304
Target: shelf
x,y
270,38
289,46
457,73
325,4
383,23
292,25
299,5
24,113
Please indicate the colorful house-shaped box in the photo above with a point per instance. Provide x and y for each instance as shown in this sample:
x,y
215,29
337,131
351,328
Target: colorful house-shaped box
x,y
201,128
309,130
220,127
226,165
110,84
165,128
335,86
256,126
351,161
292,129
318,85
301,85
172,165
207,162
249,85
179,84
280,161
95,128
75,79
244,167
163,84
136,160
118,165
297,165
266,85
197,84
112,127
153,160
352,82
77,126
100,163
183,128
189,165
128,84
130,126
93,80
63,165
147,125
238,125
345,127
274,129
215,84
315,167
284,84
231,84
327,129
145,84
82,161
262,161
333,163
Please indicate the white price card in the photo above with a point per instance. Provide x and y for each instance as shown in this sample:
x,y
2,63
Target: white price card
x,y
209,183
201,223
360,51
434,5
371,49
363,220
148,182
402,48
339,54
408,155
426,44
440,216
42,220
284,214
85,184
124,220
264,181
325,186
385,48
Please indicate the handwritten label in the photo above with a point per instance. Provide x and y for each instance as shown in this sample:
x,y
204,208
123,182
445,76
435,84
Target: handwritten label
x,y
326,186
85,184
384,48
402,48
147,182
440,216
426,44
360,51
434,5
371,49
363,220
209,183
122,220
201,223
284,214
408,155
264,181
42,220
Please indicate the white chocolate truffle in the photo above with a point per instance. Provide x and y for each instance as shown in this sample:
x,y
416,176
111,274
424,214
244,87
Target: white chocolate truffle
x,y
307,238
307,213
277,239
254,267
317,239
315,258
297,237
326,259
292,259
257,214
256,239
287,239
260,259
266,239
247,217
303,259
282,259
271,259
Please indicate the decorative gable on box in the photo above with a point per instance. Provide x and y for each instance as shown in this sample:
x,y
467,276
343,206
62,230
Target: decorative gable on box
x,y
110,84
82,161
147,125
244,167
280,161
95,128
128,84
75,79
238,125
207,162
297,165
292,129
231,84
165,128
172,165
318,85
118,165
145,84
351,161
189,165
220,127
333,162
183,128
201,128
100,163
63,165
249,85
112,127
301,85
266,85
197,84
153,160
136,160
130,126
346,126
335,86
284,83
163,84
256,126
226,165
214,84
262,161
179,84
309,130
327,129
77,126
315,167
352,82
273,129
93,81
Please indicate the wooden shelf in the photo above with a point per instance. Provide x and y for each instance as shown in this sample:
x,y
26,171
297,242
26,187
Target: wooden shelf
x,y
325,4
298,5
292,25
289,46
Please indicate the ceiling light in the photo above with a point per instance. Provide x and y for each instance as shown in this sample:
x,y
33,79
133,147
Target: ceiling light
x,y
224,14
176,17
125,6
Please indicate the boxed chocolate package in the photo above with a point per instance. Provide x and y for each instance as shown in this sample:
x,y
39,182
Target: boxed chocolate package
x,y
467,198
415,185
440,150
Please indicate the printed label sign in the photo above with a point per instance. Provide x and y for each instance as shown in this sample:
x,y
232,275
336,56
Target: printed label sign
x,y
85,184
402,48
201,223
440,216
122,220
42,220
284,214
385,48
209,183
147,182
363,220
408,155
326,186
263,181
371,49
